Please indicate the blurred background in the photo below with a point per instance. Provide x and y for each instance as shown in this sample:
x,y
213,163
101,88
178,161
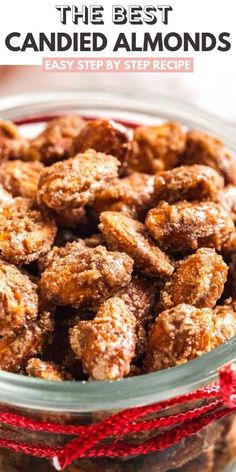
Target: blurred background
x,y
210,88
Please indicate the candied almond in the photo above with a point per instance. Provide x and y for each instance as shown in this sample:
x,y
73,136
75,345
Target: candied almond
x,y
132,195
20,178
105,136
18,347
202,148
47,370
25,232
199,281
125,234
18,299
185,332
58,252
195,182
12,144
186,226
87,278
106,345
224,318
156,148
56,140
75,182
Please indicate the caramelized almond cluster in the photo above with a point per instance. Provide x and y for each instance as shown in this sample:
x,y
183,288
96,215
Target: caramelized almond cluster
x,y
116,248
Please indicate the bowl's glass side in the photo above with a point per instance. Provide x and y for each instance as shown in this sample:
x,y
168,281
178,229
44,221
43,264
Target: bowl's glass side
x,y
211,450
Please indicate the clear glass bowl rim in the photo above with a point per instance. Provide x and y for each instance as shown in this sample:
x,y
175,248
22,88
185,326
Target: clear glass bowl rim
x,y
134,391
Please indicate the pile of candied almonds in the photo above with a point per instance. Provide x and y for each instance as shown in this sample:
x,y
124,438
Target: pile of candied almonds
x,y
117,248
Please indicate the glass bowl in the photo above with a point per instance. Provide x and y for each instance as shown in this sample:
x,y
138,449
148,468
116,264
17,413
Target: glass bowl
x,y
90,400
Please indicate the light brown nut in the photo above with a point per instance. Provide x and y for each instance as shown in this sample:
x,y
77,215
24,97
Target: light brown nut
x,y
75,182
55,141
204,149
125,234
199,281
57,253
132,195
20,178
12,144
224,318
25,233
47,370
185,332
156,148
17,348
185,227
190,183
86,279
106,345
105,136
227,198
18,299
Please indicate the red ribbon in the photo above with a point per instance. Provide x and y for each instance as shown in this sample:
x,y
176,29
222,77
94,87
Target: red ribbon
x,y
89,441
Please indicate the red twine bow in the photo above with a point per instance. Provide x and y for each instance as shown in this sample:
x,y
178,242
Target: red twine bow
x,y
89,441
